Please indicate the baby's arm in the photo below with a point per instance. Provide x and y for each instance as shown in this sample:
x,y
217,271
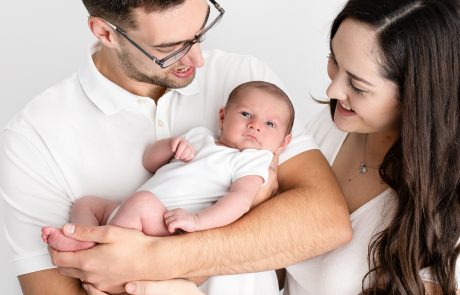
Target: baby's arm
x,y
228,209
160,152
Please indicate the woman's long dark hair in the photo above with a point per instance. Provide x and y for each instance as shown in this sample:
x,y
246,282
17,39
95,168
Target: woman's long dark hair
x,y
419,50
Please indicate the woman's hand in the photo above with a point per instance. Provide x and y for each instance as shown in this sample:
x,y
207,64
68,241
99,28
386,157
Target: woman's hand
x,y
271,187
171,287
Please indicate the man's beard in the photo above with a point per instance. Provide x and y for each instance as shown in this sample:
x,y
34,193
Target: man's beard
x,y
132,72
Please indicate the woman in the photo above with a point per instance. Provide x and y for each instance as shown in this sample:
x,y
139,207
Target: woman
x,y
393,143
394,147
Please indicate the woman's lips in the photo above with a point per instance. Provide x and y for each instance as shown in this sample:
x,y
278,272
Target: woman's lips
x,y
344,110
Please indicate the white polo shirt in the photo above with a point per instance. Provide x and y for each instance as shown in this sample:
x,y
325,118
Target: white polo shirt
x,y
86,136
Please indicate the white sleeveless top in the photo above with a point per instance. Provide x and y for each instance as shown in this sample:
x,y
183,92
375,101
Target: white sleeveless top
x,y
342,270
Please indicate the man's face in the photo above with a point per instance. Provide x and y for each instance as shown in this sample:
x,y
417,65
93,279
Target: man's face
x,y
160,34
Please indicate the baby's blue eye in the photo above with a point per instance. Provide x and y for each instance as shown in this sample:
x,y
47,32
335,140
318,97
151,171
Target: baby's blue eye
x,y
270,124
246,114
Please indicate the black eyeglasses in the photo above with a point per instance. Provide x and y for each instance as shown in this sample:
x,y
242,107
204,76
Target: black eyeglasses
x,y
178,54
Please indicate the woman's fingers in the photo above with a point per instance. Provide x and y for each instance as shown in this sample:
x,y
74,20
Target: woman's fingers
x,y
171,287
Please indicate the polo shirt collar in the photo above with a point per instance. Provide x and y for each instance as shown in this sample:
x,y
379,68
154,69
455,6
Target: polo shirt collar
x,y
108,96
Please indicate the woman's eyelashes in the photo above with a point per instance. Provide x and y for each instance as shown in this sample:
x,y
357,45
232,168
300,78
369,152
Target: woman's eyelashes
x,y
354,89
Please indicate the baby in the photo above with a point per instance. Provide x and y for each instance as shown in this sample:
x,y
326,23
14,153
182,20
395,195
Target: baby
x,y
215,179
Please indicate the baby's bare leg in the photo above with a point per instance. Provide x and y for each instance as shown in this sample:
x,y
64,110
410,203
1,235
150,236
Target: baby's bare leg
x,y
142,211
86,210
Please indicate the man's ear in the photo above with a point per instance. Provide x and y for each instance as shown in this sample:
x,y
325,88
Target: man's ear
x,y
221,117
284,143
103,32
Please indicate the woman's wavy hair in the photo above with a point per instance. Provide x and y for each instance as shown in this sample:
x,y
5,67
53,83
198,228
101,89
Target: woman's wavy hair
x,y
119,12
419,50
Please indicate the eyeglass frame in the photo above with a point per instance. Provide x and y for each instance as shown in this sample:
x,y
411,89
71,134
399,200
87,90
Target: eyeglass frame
x,y
187,43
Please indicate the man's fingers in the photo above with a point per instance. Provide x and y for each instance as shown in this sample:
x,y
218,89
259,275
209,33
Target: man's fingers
x,y
92,291
72,272
90,233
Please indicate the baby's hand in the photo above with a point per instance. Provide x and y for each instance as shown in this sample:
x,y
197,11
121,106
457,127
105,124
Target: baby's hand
x,y
180,219
182,149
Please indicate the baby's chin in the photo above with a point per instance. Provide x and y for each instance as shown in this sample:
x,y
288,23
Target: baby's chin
x,y
254,147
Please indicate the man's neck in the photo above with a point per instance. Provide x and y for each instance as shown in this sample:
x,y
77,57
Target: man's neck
x,y
107,65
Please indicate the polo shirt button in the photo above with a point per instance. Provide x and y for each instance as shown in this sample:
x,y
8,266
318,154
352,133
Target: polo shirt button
x,y
160,123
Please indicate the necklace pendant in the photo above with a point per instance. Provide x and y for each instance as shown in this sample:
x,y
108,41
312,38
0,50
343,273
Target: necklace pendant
x,y
363,168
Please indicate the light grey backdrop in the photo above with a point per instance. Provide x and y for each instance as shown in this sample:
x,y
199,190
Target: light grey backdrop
x,y
44,41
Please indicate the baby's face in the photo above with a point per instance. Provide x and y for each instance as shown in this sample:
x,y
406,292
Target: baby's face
x,y
257,120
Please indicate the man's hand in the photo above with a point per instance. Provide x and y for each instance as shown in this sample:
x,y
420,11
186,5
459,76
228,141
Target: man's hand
x,y
111,264
270,188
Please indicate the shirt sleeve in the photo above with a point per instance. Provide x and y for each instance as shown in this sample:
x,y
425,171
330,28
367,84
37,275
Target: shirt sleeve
x,y
252,162
31,198
298,144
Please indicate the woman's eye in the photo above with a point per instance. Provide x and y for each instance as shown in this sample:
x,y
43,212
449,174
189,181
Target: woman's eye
x,y
246,114
355,90
270,124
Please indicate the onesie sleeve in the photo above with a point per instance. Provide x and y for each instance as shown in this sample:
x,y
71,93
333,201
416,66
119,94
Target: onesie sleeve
x,y
252,162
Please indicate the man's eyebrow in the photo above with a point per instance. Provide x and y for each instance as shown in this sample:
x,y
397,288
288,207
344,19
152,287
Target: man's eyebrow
x,y
172,44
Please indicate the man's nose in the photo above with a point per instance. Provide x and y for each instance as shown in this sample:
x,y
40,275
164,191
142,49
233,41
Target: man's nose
x,y
194,57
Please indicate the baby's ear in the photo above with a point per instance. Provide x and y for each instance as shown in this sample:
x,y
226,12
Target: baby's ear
x,y
284,143
221,117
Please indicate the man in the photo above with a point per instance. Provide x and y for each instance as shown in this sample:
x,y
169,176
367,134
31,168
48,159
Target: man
x,y
86,136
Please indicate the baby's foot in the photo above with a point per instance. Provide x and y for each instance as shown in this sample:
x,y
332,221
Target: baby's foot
x,y
57,240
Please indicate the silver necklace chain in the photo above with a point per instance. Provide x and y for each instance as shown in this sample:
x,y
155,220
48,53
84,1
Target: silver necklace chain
x,y
363,166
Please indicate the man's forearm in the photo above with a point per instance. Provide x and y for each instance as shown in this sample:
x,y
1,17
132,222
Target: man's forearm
x,y
49,282
308,219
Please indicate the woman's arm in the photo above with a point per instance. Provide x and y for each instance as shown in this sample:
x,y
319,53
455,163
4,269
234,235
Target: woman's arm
x,y
308,218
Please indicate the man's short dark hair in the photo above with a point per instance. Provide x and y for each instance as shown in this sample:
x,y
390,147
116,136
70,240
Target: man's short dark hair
x,y
119,12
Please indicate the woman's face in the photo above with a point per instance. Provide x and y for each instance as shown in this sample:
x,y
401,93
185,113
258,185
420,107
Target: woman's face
x,y
366,101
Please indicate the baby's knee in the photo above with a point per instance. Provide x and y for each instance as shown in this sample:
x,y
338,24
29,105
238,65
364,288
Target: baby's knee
x,y
144,200
83,203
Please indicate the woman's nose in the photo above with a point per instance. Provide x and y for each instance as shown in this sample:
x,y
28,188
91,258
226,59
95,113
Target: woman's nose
x,y
337,89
